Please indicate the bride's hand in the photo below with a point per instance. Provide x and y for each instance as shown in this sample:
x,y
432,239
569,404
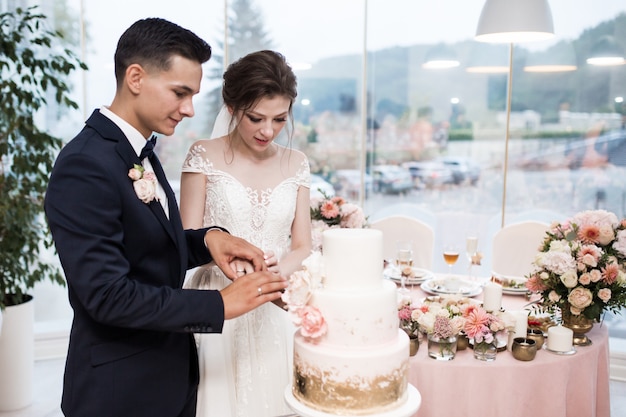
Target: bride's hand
x,y
271,261
241,267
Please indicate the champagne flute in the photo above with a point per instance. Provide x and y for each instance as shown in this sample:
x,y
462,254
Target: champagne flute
x,y
404,259
471,248
450,255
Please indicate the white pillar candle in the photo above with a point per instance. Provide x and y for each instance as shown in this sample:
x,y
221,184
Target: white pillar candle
x,y
492,296
521,322
560,339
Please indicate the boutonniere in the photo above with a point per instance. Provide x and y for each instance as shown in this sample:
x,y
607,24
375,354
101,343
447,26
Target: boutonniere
x,y
144,183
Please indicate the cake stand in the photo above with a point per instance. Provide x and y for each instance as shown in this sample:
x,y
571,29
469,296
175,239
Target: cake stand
x,y
407,409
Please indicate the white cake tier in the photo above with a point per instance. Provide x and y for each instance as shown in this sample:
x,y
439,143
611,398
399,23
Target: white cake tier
x,y
355,381
353,259
360,318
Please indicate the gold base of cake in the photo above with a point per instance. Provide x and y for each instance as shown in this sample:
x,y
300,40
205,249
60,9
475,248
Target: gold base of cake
x,y
407,409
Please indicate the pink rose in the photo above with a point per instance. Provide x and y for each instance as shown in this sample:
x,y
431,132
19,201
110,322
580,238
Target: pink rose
x,y
146,190
134,174
604,294
312,322
585,279
149,175
580,298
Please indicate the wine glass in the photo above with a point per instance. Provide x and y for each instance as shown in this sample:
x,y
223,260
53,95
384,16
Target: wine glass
x,y
404,259
471,249
450,255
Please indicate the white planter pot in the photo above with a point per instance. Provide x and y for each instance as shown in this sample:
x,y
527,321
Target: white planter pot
x,y
17,359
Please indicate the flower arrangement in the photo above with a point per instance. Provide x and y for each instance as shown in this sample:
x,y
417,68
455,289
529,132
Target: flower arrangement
x,y
333,212
296,297
144,183
487,327
442,317
408,318
580,269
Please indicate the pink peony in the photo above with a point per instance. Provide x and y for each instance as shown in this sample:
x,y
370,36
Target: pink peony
x,y
312,323
352,216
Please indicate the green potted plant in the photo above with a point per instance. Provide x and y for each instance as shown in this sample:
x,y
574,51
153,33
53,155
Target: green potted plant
x,y
34,69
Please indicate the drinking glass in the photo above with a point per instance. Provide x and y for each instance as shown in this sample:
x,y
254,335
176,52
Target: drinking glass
x,y
471,249
450,255
404,259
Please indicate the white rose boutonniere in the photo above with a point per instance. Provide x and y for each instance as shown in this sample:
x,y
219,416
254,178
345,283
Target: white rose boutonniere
x,y
144,183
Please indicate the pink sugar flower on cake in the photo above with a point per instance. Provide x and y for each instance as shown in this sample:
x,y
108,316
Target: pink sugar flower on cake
x,y
296,297
312,323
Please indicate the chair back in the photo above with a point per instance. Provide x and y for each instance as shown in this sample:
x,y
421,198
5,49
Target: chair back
x,y
515,246
400,227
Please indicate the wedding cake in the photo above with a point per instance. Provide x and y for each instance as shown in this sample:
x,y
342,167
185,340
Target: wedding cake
x,y
350,357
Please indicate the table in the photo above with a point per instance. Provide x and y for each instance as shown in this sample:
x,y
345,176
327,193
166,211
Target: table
x,y
550,385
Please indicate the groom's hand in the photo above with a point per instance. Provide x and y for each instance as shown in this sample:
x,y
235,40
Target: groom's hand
x,y
225,248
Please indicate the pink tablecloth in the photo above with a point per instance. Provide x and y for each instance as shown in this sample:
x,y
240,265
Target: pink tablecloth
x,y
550,385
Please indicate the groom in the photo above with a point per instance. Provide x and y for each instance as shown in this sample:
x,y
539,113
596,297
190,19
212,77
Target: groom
x,y
117,230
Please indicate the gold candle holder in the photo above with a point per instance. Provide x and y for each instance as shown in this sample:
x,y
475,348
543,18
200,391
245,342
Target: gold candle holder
x,y
537,336
524,349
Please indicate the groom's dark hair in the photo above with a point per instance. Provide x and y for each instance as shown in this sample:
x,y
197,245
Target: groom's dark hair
x,y
153,42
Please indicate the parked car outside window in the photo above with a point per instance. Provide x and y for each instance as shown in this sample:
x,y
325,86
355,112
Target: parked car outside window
x,y
429,174
391,179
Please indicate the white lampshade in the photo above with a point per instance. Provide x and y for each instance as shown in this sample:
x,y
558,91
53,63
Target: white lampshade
x,y
514,21
606,52
440,57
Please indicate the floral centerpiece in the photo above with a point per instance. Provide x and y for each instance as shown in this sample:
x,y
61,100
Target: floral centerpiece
x,y
580,268
296,297
485,328
333,212
441,319
408,318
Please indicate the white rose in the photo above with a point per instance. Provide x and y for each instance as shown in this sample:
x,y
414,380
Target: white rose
x,y
315,265
146,190
606,234
554,296
569,279
560,246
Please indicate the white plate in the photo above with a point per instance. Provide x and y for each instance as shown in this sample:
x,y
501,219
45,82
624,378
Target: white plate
x,y
506,281
419,275
439,286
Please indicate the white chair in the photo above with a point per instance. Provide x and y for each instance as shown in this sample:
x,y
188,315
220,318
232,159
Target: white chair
x,y
399,227
406,209
515,246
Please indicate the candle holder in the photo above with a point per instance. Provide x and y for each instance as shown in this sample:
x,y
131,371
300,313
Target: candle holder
x,y
524,349
537,336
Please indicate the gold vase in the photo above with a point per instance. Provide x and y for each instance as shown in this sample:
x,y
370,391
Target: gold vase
x,y
414,345
579,324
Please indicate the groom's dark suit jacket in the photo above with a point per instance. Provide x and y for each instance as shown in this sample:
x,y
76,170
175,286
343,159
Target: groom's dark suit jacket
x,y
131,350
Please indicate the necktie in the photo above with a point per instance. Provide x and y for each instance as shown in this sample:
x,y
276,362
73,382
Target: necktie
x,y
148,149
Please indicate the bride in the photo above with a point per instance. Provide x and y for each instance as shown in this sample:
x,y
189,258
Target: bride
x,y
242,180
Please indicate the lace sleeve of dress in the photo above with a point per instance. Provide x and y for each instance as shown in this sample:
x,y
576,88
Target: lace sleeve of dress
x,y
303,176
195,161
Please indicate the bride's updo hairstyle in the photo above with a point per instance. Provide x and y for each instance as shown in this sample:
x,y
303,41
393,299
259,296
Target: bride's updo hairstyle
x,y
261,74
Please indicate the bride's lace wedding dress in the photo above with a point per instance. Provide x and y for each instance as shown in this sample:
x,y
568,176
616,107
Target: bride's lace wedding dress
x,y
244,371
